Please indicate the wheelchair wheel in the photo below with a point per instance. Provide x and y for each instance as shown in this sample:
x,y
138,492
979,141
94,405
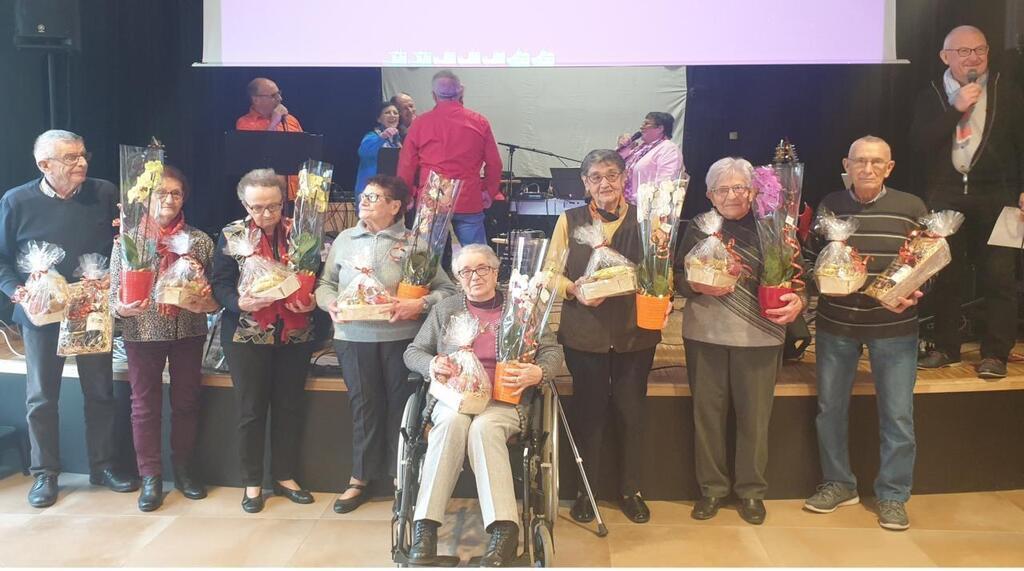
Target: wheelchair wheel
x,y
543,545
549,460
410,422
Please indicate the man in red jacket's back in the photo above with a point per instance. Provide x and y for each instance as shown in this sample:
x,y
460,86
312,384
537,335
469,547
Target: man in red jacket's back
x,y
454,142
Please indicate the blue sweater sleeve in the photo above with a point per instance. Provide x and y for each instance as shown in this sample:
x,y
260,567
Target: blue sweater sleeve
x,y
9,278
372,142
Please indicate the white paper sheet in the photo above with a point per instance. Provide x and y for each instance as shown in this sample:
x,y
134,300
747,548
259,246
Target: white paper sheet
x,y
1009,229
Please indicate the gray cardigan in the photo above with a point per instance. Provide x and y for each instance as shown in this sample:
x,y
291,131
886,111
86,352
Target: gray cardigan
x,y
387,248
428,342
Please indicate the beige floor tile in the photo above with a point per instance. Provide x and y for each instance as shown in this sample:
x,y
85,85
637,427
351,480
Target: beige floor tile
x,y
227,502
971,548
91,541
463,532
797,547
577,545
790,513
650,545
14,493
224,542
377,509
82,498
337,543
10,525
1015,496
979,511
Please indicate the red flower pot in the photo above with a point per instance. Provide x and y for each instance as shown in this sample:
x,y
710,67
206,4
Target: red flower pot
x,y
769,297
307,283
136,285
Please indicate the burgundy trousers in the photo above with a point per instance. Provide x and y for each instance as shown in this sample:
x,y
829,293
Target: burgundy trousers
x,y
146,361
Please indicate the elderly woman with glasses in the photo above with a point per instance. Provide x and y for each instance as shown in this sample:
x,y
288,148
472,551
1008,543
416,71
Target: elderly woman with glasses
x,y
482,437
158,334
608,356
370,352
733,354
651,156
267,343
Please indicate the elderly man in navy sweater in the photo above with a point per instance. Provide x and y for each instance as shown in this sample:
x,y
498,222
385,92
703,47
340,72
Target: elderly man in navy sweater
x,y
65,208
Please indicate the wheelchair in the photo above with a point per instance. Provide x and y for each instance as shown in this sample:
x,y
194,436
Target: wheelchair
x,y
536,483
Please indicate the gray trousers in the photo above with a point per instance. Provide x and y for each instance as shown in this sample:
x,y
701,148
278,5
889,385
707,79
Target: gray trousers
x,y
745,378
42,393
486,435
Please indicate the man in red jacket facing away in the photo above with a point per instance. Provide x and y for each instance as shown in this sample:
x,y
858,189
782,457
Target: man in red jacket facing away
x,y
454,142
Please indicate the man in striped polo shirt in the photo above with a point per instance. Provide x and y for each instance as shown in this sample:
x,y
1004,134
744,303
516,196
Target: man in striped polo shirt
x,y
847,324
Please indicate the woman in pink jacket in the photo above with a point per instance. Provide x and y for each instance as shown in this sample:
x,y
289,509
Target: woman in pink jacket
x,y
653,156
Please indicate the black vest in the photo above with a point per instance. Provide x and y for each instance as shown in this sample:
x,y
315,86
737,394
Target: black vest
x,y
611,325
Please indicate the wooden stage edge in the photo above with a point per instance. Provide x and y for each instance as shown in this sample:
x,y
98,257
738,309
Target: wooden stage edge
x,y
797,379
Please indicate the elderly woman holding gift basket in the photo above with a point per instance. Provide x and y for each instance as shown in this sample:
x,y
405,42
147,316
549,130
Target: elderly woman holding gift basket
x,y
373,326
266,333
733,344
169,327
607,352
459,348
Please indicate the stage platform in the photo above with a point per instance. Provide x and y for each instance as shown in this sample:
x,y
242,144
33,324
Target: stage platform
x,y
967,429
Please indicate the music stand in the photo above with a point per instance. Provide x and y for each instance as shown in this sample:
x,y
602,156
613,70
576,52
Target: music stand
x,y
387,160
247,150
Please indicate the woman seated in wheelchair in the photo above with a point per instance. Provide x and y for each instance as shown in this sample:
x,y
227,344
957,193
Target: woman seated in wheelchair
x,y
483,436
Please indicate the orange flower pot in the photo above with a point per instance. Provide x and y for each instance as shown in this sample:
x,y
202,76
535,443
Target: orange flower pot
x,y
136,285
500,392
650,311
409,291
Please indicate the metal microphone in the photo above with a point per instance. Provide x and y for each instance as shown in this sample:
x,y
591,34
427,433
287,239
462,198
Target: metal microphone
x,y
632,139
972,75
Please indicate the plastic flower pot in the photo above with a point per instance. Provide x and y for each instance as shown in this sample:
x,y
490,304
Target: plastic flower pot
x,y
770,297
136,285
650,311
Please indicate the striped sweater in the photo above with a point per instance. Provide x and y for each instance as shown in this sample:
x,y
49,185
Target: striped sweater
x,y
883,227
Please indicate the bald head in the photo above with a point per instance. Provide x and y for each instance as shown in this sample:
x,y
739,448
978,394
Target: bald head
x,y
882,149
868,164
960,52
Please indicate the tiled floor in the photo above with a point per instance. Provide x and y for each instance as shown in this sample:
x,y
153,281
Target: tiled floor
x,y
91,526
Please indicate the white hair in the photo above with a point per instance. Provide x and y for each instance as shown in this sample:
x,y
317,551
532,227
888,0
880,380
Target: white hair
x,y
961,30
469,249
726,166
446,86
47,142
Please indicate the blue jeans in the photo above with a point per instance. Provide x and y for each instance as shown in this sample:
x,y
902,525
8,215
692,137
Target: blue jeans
x,y
894,368
469,228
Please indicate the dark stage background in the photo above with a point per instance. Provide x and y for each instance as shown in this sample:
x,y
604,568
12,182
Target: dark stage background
x,y
133,79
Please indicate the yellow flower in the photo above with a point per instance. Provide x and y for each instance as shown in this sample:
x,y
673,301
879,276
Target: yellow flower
x,y
152,174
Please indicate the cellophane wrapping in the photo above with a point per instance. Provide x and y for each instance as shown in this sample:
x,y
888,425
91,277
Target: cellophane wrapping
x,y
608,272
365,298
46,291
469,390
184,280
840,269
88,326
259,276
710,262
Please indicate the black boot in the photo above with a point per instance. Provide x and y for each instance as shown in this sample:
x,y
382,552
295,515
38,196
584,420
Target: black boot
x,y
44,491
187,484
501,552
152,495
424,542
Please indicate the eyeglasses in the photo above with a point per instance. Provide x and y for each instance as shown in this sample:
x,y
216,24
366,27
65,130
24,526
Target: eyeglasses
x,y
173,195
966,52
875,164
270,209
275,95
482,271
73,159
740,190
611,177
372,197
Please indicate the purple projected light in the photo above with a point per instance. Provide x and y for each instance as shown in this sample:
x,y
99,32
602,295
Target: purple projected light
x,y
545,33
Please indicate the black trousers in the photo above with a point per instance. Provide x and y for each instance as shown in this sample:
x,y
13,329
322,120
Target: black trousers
x,y
610,386
996,272
739,378
42,393
378,386
269,377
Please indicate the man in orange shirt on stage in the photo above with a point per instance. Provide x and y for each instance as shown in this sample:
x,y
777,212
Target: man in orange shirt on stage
x,y
268,113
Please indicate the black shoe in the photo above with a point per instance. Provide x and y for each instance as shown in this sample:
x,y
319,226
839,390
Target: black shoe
x,y
252,505
991,368
187,484
298,496
424,542
344,506
937,360
152,495
581,510
44,491
635,508
752,511
706,508
112,480
501,552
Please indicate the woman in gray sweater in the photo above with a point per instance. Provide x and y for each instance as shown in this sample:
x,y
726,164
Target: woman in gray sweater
x,y
370,352
483,436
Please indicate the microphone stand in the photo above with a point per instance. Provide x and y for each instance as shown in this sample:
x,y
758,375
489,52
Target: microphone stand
x,y
512,148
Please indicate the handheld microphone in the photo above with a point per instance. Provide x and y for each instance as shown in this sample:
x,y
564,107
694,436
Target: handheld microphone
x,y
972,75
632,139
